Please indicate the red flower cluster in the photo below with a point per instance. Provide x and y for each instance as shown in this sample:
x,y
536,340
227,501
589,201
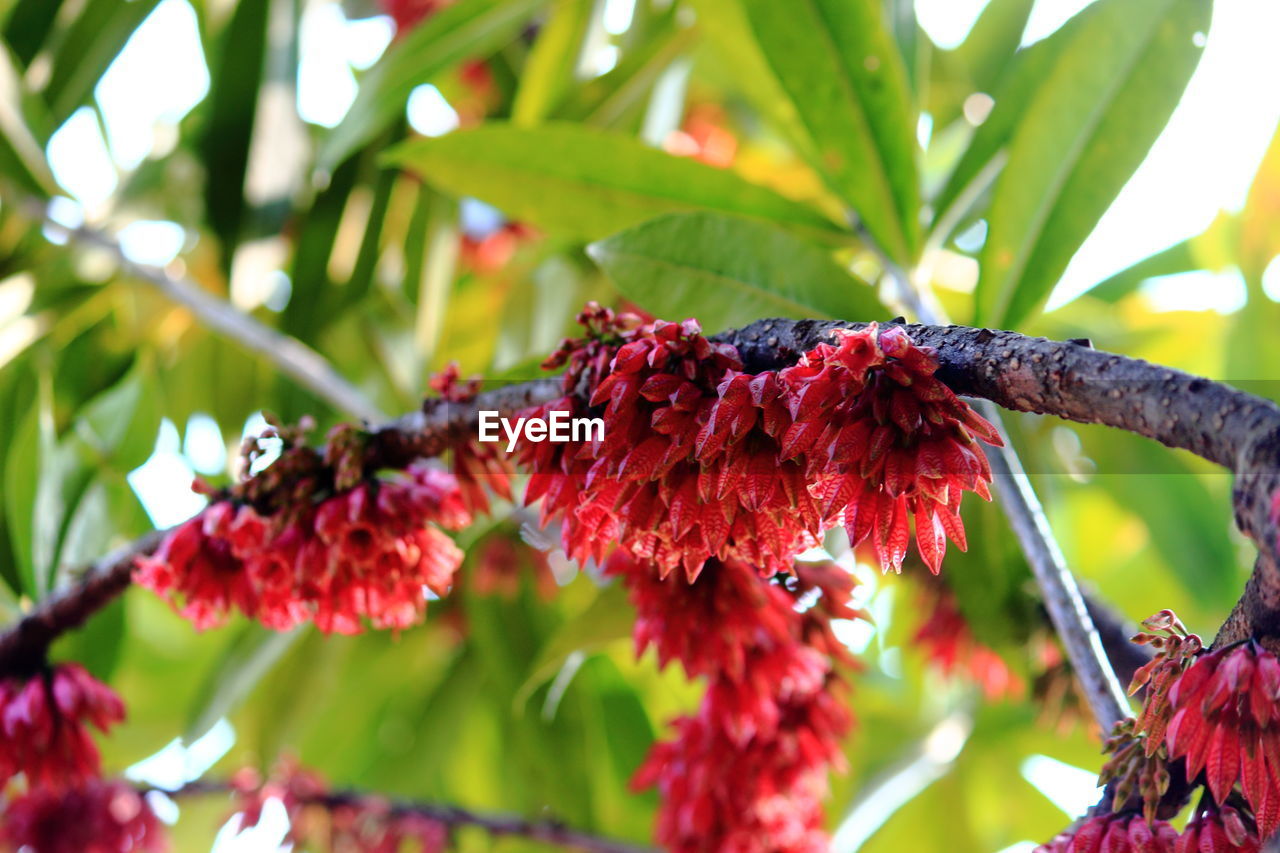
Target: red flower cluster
x,y
364,553
701,460
883,441
1226,722
45,721
479,468
99,817
1115,833
748,770
353,824
1222,830
950,646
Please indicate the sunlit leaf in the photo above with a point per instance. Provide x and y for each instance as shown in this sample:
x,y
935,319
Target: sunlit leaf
x,y
1089,126
586,183
728,272
839,65
456,32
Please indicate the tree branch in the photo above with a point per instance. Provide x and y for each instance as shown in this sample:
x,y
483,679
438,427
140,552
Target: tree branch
x,y
548,831
1014,371
290,355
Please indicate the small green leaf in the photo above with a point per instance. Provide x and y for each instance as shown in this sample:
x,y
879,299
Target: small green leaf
x,y
993,41
1108,97
839,65
453,33
727,272
588,183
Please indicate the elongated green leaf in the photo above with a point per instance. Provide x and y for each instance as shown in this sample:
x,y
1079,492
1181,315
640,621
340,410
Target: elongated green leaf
x,y
22,160
588,183
90,44
727,272
466,29
620,94
992,42
1105,102
839,65
233,96
550,69
1021,83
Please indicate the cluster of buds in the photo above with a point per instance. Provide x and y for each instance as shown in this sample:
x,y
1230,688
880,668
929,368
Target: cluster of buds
x,y
748,770
45,721
702,461
350,823
1132,769
96,817
1175,650
479,468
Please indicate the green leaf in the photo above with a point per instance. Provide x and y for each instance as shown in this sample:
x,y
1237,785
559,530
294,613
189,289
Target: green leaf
x,y
453,33
87,49
35,472
588,183
249,657
22,160
1020,84
550,69
620,94
839,65
607,619
233,103
993,41
1107,99
119,425
727,272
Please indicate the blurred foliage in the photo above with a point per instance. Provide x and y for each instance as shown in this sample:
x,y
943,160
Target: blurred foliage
x,y
727,159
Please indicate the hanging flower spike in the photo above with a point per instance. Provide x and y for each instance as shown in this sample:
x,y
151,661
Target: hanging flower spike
x,y
1226,722
45,720
1115,833
1223,830
478,467
98,817
748,770
884,442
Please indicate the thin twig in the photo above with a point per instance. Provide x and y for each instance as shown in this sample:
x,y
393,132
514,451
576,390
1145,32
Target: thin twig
x,y
549,831
290,355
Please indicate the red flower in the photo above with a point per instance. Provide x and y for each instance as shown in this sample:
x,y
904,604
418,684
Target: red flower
x,y
360,824
479,468
99,817
884,442
364,553
748,770
950,646
1226,722
45,721
1222,830
1115,833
